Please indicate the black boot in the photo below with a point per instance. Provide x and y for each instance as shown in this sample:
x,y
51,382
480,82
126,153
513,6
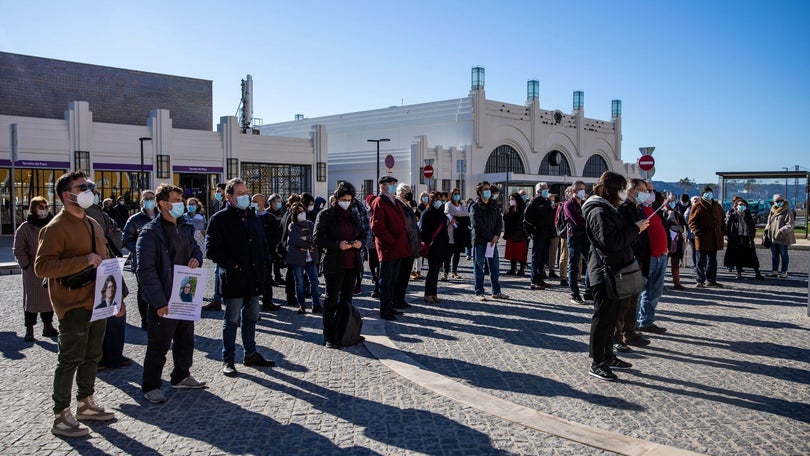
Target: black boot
x,y
29,334
49,330
522,271
511,270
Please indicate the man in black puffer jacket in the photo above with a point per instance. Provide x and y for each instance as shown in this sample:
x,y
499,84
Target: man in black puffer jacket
x,y
538,221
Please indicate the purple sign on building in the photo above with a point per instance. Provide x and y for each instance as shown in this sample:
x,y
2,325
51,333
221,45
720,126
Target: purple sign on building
x,y
197,169
135,167
37,164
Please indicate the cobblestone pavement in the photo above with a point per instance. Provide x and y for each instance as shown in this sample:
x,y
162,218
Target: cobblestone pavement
x,y
729,377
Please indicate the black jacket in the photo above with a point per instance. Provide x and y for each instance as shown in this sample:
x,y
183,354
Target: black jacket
x,y
630,213
327,238
130,235
538,220
236,242
155,270
432,220
610,238
513,224
486,221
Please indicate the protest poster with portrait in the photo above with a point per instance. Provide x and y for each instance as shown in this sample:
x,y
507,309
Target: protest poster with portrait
x,y
108,297
186,300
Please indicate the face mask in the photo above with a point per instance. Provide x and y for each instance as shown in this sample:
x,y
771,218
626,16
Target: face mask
x,y
486,194
218,196
192,208
120,203
408,196
255,207
641,197
310,208
581,194
495,196
741,207
780,203
344,204
243,202
553,204
456,198
651,197
42,213
672,204
95,199
85,199
544,192
622,195
424,200
708,196
525,197
177,209
149,205
437,204
278,205
512,202
301,217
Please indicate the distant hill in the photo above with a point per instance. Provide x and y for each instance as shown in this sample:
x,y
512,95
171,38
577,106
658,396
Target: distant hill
x,y
753,191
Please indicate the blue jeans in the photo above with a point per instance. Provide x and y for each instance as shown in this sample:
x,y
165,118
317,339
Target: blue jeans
x,y
239,312
706,266
779,251
311,269
387,276
652,292
577,247
217,293
540,249
479,257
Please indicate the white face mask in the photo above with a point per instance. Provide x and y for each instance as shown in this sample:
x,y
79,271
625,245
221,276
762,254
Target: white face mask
x,y
623,195
42,213
581,194
311,208
344,204
301,216
85,199
512,202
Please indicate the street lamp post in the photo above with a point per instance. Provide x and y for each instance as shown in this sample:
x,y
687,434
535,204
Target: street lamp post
x,y
140,176
786,181
378,141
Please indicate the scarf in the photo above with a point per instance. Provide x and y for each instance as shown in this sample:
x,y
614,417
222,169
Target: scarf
x,y
38,222
776,210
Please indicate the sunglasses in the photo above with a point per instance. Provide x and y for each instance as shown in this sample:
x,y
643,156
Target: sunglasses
x,y
84,187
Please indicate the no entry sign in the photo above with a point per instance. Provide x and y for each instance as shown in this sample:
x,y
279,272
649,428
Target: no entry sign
x,y
646,162
428,171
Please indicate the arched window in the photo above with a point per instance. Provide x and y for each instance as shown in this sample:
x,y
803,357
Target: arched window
x,y
554,164
504,159
595,166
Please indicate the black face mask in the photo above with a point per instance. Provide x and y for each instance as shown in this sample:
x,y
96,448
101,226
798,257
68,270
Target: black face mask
x,y
409,197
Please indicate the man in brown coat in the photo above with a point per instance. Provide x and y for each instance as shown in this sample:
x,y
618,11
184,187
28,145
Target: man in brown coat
x,y
706,220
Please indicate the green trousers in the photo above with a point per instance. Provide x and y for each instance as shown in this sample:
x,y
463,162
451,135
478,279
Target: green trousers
x,y
80,343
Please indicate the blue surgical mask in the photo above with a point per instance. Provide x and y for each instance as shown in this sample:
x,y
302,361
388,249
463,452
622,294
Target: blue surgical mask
x,y
243,202
741,207
255,206
708,196
495,196
424,199
218,196
641,197
544,192
192,208
149,205
178,209
672,204
779,203
486,194
95,199
437,204
278,205
456,198
525,197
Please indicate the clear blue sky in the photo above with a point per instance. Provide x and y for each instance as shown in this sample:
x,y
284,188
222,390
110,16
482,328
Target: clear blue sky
x,y
713,85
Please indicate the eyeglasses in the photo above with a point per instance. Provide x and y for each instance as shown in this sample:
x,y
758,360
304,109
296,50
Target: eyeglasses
x,y
84,187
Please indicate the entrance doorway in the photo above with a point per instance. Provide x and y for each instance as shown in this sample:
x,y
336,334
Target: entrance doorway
x,y
200,186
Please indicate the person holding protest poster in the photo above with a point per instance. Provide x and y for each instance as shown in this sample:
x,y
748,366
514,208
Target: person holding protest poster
x,y
166,242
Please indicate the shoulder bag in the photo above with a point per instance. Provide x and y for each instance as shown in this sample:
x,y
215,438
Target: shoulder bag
x,y
424,249
621,282
82,278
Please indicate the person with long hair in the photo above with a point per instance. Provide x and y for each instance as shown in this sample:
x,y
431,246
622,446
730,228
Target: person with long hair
x,y
338,233
434,234
781,222
612,241
517,243
458,231
740,230
35,298
302,257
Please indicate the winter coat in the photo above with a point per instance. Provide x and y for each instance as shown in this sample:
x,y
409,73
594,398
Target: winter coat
x,y
741,231
707,221
35,297
390,231
155,269
300,240
235,241
327,237
675,223
538,219
630,213
610,238
130,235
459,234
486,221
780,225
513,224
413,229
432,220
574,220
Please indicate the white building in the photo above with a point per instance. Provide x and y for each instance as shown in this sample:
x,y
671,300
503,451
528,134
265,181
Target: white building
x,y
470,139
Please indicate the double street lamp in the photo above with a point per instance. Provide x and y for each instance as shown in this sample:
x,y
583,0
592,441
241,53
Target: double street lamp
x,y
378,141
140,176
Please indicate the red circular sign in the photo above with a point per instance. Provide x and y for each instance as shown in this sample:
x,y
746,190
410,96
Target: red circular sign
x,y
428,171
646,162
389,161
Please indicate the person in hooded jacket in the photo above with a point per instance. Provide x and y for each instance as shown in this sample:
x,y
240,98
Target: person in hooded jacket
x,y
611,245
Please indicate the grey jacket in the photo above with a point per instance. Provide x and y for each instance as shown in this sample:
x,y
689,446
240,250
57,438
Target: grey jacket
x,y
300,240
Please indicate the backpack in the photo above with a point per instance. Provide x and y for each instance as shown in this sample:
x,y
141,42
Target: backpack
x,y
350,332
560,223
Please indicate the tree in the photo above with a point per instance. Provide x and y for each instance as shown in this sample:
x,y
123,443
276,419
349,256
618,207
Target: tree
x,y
687,184
749,186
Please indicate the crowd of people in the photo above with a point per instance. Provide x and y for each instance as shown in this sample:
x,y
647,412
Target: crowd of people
x,y
252,238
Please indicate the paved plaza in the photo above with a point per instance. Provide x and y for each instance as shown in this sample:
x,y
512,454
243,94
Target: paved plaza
x,y
730,377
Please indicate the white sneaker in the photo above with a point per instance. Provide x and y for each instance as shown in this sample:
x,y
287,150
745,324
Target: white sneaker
x,y
784,275
65,424
89,410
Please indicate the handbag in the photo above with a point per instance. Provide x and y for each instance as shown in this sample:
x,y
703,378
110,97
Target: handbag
x,y
766,239
424,249
82,278
624,282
